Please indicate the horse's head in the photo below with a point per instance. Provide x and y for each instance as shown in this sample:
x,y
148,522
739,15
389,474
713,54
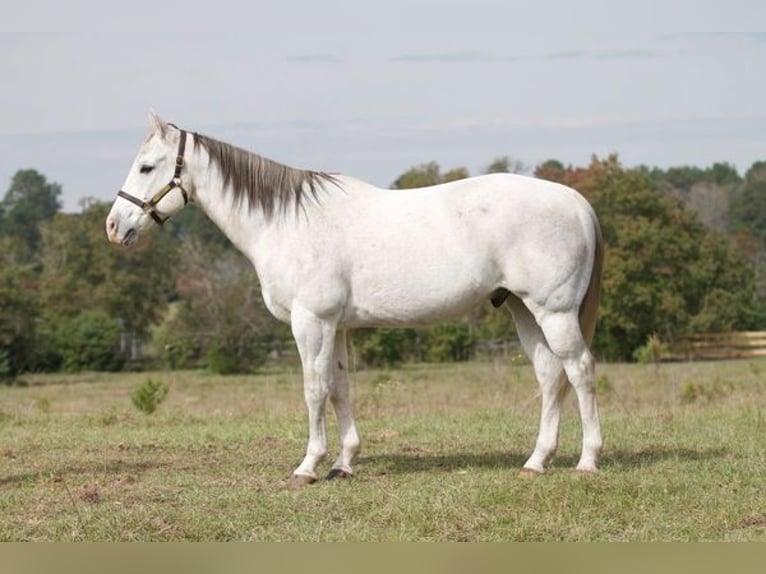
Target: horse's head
x,y
153,190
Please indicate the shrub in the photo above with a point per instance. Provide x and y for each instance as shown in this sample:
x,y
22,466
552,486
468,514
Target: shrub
x,y
89,341
389,347
147,397
179,354
604,384
177,351
7,368
651,351
242,356
383,347
222,360
449,342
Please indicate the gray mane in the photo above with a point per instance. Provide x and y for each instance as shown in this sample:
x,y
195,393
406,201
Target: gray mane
x,y
259,181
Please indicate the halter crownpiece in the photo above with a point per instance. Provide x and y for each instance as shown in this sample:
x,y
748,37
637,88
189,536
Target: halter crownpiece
x,y
150,206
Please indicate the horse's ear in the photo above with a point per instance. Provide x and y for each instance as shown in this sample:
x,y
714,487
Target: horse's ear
x,y
157,124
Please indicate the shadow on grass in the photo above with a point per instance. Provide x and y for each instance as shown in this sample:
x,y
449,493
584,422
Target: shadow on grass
x,y
117,467
653,455
405,463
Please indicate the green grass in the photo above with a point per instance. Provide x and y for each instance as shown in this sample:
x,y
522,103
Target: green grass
x,y
442,445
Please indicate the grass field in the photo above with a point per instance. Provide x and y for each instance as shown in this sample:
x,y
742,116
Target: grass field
x,y
685,458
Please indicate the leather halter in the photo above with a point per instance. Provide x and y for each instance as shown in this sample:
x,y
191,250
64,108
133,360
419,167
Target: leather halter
x,y
150,206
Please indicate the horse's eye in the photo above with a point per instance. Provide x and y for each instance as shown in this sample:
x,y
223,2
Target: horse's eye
x,y
146,168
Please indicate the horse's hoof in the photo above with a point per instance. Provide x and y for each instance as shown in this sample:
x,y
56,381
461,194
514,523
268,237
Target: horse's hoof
x,y
339,473
586,470
298,481
530,472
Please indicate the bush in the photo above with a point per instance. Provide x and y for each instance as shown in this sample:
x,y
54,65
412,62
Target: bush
x,y
176,343
177,350
652,351
179,353
222,360
182,344
449,342
389,347
89,341
383,347
7,368
147,397
46,356
243,356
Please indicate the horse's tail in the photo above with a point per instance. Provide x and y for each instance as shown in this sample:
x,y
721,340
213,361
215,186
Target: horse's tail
x,y
589,304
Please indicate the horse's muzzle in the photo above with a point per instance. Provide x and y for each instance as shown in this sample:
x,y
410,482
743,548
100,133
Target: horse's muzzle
x,y
129,238
113,233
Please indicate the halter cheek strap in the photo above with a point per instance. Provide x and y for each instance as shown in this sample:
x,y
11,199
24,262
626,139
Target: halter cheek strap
x,y
150,206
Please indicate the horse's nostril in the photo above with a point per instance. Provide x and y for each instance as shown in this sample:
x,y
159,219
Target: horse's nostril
x,y
110,224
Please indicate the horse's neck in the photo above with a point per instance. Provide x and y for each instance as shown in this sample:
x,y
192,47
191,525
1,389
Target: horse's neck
x,y
247,226
240,224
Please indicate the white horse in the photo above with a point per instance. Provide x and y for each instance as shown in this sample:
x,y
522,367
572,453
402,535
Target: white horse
x,y
334,253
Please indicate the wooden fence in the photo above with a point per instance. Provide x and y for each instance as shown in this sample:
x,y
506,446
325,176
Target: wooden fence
x,y
711,346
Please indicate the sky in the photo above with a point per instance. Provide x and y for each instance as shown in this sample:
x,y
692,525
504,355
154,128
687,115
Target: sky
x,y
372,89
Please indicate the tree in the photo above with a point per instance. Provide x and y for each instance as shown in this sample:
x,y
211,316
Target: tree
x,y
221,318
665,272
29,201
748,209
504,164
193,225
723,173
450,342
427,174
384,347
455,174
18,312
90,340
684,177
747,223
551,170
726,297
707,192
82,270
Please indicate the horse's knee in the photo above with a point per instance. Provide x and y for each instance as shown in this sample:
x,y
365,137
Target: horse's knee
x,y
548,368
316,390
581,372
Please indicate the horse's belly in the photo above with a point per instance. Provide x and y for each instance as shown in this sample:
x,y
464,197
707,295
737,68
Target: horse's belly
x,y
412,301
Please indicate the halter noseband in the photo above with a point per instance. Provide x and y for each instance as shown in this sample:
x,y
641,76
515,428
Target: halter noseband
x,y
149,206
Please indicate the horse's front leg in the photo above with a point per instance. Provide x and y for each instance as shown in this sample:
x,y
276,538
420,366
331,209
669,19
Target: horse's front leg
x,y
315,339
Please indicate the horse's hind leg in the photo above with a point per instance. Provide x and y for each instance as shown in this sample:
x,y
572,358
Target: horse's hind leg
x,y
341,402
552,379
565,339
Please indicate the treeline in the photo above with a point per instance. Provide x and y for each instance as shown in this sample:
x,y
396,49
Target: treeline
x,y
685,253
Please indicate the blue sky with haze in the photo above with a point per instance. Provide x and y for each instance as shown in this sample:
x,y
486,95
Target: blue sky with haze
x,y
371,89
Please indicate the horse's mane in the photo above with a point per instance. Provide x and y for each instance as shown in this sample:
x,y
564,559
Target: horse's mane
x,y
259,181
